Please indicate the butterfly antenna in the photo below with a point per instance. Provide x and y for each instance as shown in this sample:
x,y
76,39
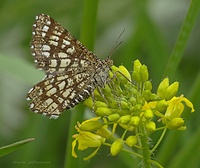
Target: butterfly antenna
x,y
116,45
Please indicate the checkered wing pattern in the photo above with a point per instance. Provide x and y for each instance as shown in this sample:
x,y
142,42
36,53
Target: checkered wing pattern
x,y
72,72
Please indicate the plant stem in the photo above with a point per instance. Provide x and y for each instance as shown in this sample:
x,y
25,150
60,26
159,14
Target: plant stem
x,y
145,148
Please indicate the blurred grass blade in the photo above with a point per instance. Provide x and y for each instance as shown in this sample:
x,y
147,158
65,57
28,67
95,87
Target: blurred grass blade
x,y
184,34
12,147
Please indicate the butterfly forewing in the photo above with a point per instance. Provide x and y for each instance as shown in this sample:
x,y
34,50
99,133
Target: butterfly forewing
x,y
72,72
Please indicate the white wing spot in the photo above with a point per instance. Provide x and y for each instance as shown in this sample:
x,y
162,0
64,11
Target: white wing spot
x,y
62,55
43,34
51,92
66,42
45,28
32,105
53,43
46,47
71,50
65,62
54,116
53,63
46,54
56,38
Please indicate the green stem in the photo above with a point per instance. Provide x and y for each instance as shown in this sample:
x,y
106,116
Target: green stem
x,y
182,39
159,140
145,147
88,28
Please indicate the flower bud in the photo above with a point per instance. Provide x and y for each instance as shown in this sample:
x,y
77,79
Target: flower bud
x,y
150,126
136,77
88,102
116,147
144,74
134,121
161,106
124,104
113,117
148,85
154,97
136,65
103,111
162,88
175,123
171,90
104,132
125,119
100,104
132,100
131,140
147,95
125,72
114,68
133,90
148,114
107,89
91,126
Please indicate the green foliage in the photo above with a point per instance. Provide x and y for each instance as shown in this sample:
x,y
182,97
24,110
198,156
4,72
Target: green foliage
x,y
12,147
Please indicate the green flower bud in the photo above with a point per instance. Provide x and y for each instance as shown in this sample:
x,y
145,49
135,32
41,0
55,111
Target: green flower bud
x,y
132,100
136,77
111,74
125,72
148,114
148,85
175,123
116,147
124,104
103,111
147,95
88,102
134,121
144,74
131,140
125,119
91,126
138,107
154,97
162,88
114,68
100,104
133,90
150,126
113,117
136,65
104,132
107,89
161,106
171,90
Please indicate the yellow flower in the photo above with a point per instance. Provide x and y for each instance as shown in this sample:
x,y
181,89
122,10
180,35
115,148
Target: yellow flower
x,y
85,140
176,107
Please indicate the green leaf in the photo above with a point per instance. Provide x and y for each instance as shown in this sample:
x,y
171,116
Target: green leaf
x,y
12,147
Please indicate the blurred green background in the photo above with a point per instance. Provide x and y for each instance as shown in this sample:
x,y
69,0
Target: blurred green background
x,y
151,29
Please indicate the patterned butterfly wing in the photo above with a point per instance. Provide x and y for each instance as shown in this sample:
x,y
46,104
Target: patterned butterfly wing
x,y
55,49
72,72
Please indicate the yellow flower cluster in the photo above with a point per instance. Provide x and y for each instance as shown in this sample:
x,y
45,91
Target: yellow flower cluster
x,y
127,101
